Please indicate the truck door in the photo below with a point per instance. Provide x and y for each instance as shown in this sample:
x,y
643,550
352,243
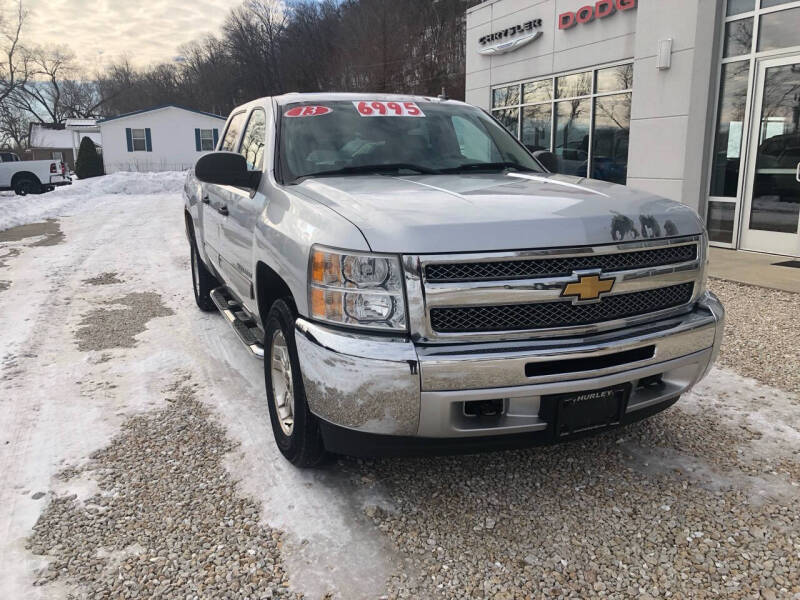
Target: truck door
x,y
216,199
244,207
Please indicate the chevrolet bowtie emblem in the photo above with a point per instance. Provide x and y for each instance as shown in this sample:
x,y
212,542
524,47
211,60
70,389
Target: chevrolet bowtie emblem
x,y
588,287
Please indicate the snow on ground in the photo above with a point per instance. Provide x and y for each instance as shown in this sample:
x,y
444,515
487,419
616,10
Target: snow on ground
x,y
84,194
58,405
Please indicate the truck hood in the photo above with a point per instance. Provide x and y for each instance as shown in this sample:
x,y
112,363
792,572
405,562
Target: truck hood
x,y
486,212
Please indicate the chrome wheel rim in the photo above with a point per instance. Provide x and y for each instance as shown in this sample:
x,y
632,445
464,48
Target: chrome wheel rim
x,y
195,278
282,386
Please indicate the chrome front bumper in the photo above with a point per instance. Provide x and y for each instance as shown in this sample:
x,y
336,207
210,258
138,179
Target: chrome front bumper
x,y
392,387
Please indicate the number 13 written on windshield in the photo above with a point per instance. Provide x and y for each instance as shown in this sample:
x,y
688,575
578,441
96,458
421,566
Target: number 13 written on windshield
x,y
388,109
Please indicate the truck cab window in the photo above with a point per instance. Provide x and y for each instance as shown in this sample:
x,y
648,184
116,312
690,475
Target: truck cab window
x,y
252,146
232,133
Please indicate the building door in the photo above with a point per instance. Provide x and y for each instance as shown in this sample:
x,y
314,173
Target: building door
x,y
771,220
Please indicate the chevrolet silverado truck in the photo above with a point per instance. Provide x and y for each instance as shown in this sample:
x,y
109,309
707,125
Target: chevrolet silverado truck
x,y
416,281
31,176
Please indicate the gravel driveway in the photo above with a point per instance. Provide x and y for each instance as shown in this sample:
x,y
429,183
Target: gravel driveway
x,y
141,465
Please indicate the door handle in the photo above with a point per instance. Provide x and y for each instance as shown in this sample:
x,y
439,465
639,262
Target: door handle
x,y
797,175
206,199
223,210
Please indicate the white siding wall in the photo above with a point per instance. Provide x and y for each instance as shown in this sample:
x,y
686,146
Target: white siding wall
x,y
173,141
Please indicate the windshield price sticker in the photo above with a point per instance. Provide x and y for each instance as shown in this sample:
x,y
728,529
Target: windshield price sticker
x,y
307,111
388,109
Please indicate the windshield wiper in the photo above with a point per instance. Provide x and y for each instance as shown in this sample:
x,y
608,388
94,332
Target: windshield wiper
x,y
366,169
491,166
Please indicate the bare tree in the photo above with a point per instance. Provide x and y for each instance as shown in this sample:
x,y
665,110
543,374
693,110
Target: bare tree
x,y
13,127
269,47
14,59
42,96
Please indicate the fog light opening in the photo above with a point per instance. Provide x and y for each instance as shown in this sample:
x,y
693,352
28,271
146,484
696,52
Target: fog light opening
x,y
484,408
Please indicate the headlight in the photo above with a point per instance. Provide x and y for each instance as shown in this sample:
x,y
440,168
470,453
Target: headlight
x,y
357,289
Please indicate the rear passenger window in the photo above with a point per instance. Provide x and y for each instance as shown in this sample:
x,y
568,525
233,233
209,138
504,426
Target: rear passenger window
x,y
232,133
252,147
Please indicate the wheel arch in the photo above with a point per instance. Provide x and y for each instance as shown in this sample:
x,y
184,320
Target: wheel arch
x,y
24,175
270,286
189,221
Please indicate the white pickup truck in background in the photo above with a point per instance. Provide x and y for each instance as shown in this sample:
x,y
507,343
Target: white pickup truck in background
x,y
31,176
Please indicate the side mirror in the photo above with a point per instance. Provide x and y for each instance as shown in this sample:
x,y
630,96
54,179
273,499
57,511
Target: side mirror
x,y
546,158
226,168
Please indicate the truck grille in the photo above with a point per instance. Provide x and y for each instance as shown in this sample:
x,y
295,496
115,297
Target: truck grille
x,y
559,267
516,317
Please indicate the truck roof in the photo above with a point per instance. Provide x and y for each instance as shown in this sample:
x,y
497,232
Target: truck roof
x,y
333,96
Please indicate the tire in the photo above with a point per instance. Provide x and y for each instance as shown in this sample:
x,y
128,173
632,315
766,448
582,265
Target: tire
x,y
27,185
202,282
296,430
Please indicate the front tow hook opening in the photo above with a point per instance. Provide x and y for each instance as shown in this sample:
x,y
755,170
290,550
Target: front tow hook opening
x,y
484,408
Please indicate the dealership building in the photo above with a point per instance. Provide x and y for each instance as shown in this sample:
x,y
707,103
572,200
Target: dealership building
x,y
695,100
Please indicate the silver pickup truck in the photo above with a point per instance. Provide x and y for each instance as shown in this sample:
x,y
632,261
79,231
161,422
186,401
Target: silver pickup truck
x,y
416,281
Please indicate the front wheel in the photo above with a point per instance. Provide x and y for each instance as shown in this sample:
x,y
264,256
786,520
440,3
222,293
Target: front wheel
x,y
296,430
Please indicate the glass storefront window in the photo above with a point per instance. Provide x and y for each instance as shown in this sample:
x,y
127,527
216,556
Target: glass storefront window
x,y
509,117
506,96
771,3
614,79
569,86
571,145
612,124
720,221
536,126
728,137
537,91
779,29
736,7
738,38
591,108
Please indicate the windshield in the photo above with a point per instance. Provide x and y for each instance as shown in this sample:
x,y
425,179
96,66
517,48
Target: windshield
x,y
348,138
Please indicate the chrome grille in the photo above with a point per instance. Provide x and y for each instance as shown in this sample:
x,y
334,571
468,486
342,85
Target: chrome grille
x,y
541,315
559,267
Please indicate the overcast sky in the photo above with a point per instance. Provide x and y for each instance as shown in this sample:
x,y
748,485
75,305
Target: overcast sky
x,y
101,31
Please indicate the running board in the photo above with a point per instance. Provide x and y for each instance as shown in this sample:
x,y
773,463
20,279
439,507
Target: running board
x,y
246,331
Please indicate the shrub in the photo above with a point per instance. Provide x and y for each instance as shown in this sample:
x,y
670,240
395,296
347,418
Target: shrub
x,y
89,162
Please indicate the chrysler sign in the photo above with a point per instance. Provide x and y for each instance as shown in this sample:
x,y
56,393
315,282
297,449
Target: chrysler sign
x,y
511,38
587,14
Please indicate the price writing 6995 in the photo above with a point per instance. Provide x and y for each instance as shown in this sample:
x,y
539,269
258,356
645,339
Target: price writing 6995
x,y
388,109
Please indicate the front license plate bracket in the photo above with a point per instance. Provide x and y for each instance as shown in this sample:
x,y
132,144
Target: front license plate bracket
x,y
578,412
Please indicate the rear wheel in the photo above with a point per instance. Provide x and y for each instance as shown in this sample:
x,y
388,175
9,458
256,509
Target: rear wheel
x,y
296,430
202,282
27,185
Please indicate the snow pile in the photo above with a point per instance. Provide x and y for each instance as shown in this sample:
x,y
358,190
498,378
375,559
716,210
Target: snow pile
x,y
125,182
19,210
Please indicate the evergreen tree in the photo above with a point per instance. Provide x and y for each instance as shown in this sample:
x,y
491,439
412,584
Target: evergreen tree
x,y
89,163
